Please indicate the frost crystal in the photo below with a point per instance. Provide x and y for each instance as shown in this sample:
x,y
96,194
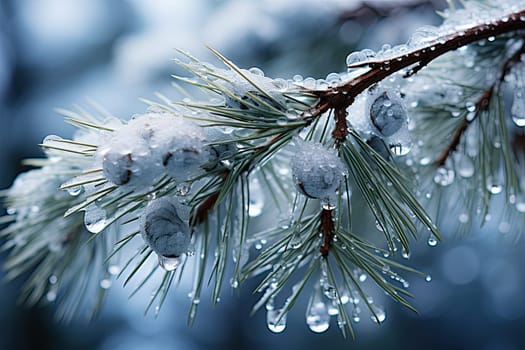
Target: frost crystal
x,y
317,171
165,229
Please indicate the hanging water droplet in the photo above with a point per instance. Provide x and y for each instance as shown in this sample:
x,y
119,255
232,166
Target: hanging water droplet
x,y
53,279
380,314
356,314
471,106
317,317
256,204
333,310
400,149
275,321
432,241
169,264
113,270
234,282
105,283
95,219
465,167
504,227
362,277
463,218
428,278
494,188
74,191
51,296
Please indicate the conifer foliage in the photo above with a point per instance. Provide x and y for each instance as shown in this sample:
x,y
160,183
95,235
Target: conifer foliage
x,y
173,192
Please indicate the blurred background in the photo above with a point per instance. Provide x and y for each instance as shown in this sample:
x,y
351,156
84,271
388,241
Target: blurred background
x,y
55,53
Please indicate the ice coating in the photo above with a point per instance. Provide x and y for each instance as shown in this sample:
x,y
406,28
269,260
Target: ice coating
x,y
164,228
317,171
151,145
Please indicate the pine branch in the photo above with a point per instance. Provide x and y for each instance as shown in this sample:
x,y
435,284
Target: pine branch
x,y
341,96
482,104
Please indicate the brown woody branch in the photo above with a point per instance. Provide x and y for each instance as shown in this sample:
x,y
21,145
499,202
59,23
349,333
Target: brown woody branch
x,y
342,96
327,230
482,105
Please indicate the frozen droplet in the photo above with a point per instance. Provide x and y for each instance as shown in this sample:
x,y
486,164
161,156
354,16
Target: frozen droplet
x,y
380,314
333,310
432,241
423,35
362,277
276,320
465,167
114,270
356,58
234,282
494,188
463,218
471,106
95,219
317,317
504,227
53,279
169,263
400,149
105,283
51,295
164,227
356,314
387,113
518,110
256,203
316,170
444,176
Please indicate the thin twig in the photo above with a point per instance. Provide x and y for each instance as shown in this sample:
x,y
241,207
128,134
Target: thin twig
x,y
327,230
342,96
482,105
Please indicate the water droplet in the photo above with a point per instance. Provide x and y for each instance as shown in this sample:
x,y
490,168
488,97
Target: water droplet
x,y
51,295
518,108
105,283
275,321
465,167
356,314
504,227
114,270
333,310
53,279
400,149
317,317
423,35
168,264
471,106
444,176
95,219
362,277
256,204
380,314
428,278
74,191
432,241
495,188
463,218
234,283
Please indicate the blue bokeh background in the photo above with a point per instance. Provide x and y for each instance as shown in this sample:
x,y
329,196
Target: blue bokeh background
x,y
55,53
